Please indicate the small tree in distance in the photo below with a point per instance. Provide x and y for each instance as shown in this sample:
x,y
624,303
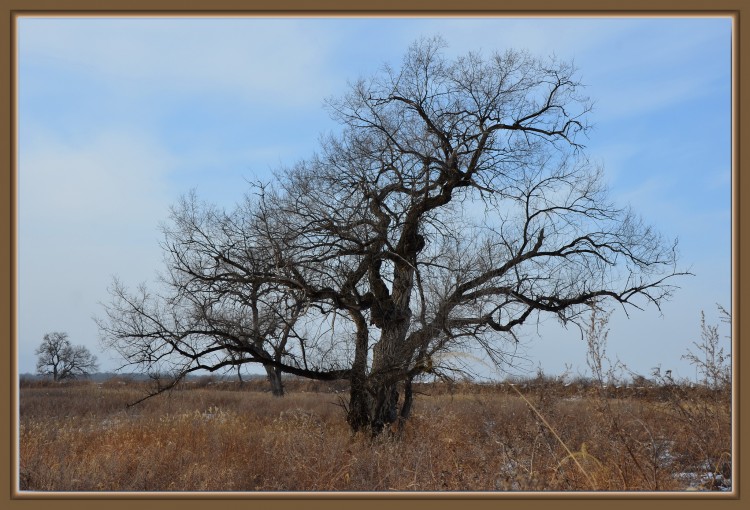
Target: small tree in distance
x,y
61,360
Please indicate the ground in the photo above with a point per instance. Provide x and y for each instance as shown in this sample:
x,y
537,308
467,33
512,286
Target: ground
x,y
538,435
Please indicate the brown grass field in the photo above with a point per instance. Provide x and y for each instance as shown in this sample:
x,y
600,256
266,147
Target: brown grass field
x,y
220,436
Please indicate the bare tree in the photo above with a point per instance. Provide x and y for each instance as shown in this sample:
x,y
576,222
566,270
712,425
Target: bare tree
x,y
211,318
455,205
61,360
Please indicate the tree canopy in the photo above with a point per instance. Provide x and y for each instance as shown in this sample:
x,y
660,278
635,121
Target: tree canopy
x,y
455,204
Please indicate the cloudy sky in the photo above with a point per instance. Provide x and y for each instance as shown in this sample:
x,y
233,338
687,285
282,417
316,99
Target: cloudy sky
x,y
120,117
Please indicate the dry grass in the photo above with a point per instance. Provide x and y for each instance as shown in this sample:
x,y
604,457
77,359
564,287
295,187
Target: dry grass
x,y
82,437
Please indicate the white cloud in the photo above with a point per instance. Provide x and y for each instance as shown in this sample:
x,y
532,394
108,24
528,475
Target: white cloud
x,y
85,213
114,176
642,70
540,36
638,97
256,60
631,66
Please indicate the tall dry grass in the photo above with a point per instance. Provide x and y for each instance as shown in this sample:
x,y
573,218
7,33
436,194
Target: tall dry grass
x,y
220,437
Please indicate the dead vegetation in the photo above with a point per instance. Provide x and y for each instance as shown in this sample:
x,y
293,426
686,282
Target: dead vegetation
x,y
536,435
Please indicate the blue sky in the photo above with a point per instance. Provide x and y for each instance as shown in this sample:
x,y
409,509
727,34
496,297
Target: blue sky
x,y
119,117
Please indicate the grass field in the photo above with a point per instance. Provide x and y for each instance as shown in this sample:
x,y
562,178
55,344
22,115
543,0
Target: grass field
x,y
223,437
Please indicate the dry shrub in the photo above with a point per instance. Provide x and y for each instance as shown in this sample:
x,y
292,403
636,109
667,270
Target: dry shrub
x,y
480,437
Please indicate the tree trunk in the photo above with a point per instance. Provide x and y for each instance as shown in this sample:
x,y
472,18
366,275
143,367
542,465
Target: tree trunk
x,y
389,311
358,413
406,407
274,377
392,314
385,409
374,398
389,369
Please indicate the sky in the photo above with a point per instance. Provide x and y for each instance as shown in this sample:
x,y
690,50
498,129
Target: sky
x,y
119,117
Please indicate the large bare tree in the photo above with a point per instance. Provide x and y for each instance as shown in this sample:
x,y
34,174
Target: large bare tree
x,y
455,205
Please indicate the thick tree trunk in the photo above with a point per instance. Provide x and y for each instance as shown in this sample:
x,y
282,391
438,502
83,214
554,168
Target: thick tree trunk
x,y
374,400
358,414
406,407
389,370
385,409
